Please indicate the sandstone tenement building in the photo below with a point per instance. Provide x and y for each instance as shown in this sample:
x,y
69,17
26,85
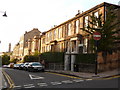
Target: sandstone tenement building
x,y
66,37
21,48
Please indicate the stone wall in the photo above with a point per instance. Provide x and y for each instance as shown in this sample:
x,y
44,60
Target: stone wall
x,y
109,61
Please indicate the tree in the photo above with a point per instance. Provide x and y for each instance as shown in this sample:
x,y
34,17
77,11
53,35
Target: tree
x,y
36,53
14,60
5,59
107,28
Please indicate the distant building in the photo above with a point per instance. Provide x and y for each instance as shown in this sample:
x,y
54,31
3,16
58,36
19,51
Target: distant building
x,y
33,45
15,53
21,49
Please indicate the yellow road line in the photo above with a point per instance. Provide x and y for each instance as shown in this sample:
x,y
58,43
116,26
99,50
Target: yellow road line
x,y
107,78
11,83
7,78
117,76
64,75
112,77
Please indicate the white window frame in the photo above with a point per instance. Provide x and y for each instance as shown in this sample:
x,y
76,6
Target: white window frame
x,y
77,26
69,29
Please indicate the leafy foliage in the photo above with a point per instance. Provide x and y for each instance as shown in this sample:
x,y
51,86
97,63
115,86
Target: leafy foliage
x,y
5,59
14,60
85,58
31,58
53,57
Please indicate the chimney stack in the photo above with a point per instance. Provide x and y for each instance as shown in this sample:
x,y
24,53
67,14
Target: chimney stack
x,y
9,47
78,13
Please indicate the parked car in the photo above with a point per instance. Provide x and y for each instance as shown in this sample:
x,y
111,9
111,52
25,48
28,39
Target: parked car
x,y
11,65
35,66
16,66
21,66
5,66
8,66
25,66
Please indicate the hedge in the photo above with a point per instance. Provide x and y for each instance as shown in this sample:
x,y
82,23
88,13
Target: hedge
x,y
85,58
58,57
31,58
52,57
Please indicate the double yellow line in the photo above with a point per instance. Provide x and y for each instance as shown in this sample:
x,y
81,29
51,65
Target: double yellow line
x,y
11,83
64,75
117,76
106,78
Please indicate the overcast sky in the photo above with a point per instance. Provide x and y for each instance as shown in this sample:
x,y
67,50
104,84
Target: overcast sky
x,y
24,15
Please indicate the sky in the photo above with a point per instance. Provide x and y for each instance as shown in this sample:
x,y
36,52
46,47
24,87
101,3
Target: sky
x,y
24,15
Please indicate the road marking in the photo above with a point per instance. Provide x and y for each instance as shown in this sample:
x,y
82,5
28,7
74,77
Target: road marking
x,y
89,79
11,83
78,80
64,75
118,76
107,78
29,87
35,77
17,86
28,84
67,81
56,83
42,84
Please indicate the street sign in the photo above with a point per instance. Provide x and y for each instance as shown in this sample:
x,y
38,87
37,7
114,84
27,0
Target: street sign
x,y
96,36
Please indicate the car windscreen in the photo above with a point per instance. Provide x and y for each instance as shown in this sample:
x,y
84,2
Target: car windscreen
x,y
36,64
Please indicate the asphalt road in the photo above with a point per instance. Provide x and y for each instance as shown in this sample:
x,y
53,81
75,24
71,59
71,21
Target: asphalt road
x,y
25,79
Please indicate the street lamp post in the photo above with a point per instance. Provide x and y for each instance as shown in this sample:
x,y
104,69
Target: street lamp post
x,y
4,15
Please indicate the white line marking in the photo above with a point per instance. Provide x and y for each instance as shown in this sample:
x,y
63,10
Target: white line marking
x,y
78,80
67,81
16,86
42,84
35,77
56,83
28,85
88,79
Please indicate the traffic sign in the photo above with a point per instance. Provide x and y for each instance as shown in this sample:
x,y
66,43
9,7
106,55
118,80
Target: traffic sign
x,y
96,36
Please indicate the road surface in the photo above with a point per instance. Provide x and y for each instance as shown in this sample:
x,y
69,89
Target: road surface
x,y
24,79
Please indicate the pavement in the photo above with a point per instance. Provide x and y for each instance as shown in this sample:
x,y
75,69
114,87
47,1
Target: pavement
x,y
87,75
